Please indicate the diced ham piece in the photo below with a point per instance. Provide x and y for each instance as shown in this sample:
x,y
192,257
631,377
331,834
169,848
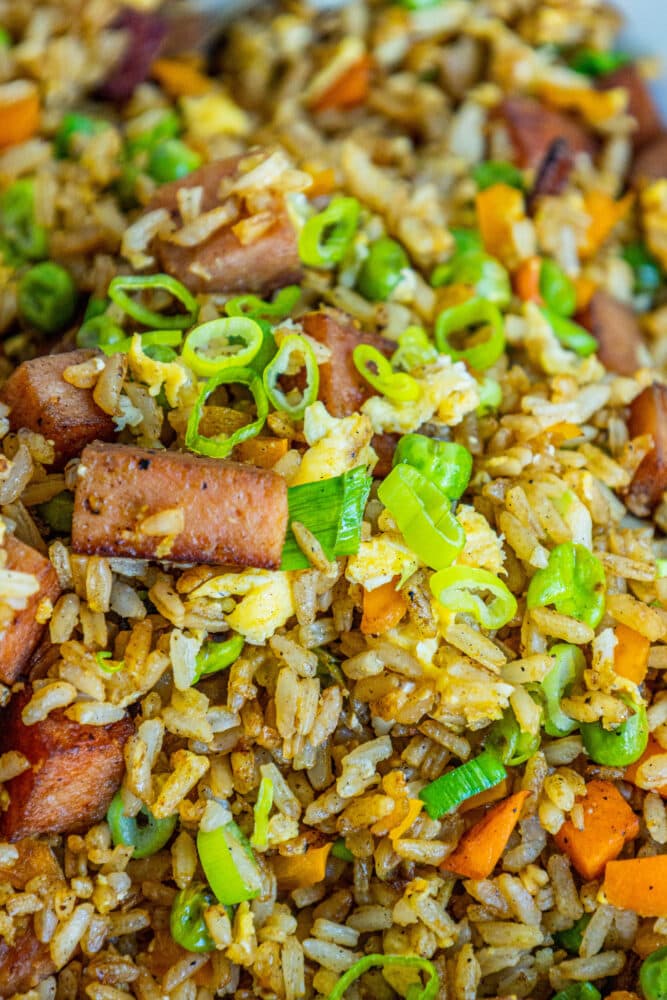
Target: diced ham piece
x,y
21,636
533,128
222,263
23,964
641,105
75,771
616,329
41,400
342,388
232,513
553,172
651,162
648,415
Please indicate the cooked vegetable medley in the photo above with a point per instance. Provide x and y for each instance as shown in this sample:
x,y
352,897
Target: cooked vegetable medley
x,y
333,503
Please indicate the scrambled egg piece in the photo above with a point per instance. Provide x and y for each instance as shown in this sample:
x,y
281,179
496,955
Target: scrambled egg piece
x,y
268,601
408,638
336,445
379,560
468,693
654,210
213,114
448,392
483,547
154,374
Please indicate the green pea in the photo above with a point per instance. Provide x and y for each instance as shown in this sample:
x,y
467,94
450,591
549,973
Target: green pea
x,y
382,270
620,746
571,938
653,975
466,239
493,172
47,297
144,832
72,125
340,851
172,159
17,221
58,511
167,126
556,289
186,920
647,271
98,331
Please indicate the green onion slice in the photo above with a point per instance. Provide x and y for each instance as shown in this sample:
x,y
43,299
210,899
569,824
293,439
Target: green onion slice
x,y
333,510
455,588
260,834
110,344
492,172
326,238
427,992
120,290
227,342
415,350
573,581
397,386
509,743
478,356
229,864
294,354
221,446
567,670
254,307
215,656
448,791
571,335
446,464
105,663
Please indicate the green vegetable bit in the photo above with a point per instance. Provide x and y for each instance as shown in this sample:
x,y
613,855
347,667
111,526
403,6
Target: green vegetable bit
x,y
479,354
449,790
493,172
573,581
578,991
58,511
571,335
326,238
566,671
146,834
593,62
216,656
340,851
646,269
18,227
73,127
99,331
47,297
571,938
229,864
479,271
620,746
509,743
461,589
170,160
556,289
653,975
6,40
446,464
382,270
415,991
186,920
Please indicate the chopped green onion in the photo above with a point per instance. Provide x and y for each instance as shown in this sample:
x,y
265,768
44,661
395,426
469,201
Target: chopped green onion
x,y
509,743
47,297
95,307
444,463
73,126
5,39
423,514
260,834
382,270
333,510
186,920
216,656
653,975
660,568
578,991
621,745
106,664
110,343
269,348
478,356
254,307
571,938
121,287
18,226
448,791
493,172
427,992
573,581
160,352
229,864
294,354
220,446
170,160
571,335
558,292
397,386
228,342
479,271
146,834
415,350
326,238
58,511
466,239
340,851
490,395
646,268
593,62
566,671
328,669
455,589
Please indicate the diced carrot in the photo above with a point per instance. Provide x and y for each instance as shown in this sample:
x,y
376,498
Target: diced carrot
x,y
479,849
348,90
631,654
653,749
585,289
609,823
324,181
499,208
527,280
299,871
383,608
415,806
604,213
486,797
261,451
180,78
19,112
638,884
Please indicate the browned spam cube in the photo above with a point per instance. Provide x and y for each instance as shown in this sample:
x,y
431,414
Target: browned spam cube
x,y
650,164
533,128
616,328
232,513
648,415
75,771
222,263
23,964
21,636
342,388
641,105
41,400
